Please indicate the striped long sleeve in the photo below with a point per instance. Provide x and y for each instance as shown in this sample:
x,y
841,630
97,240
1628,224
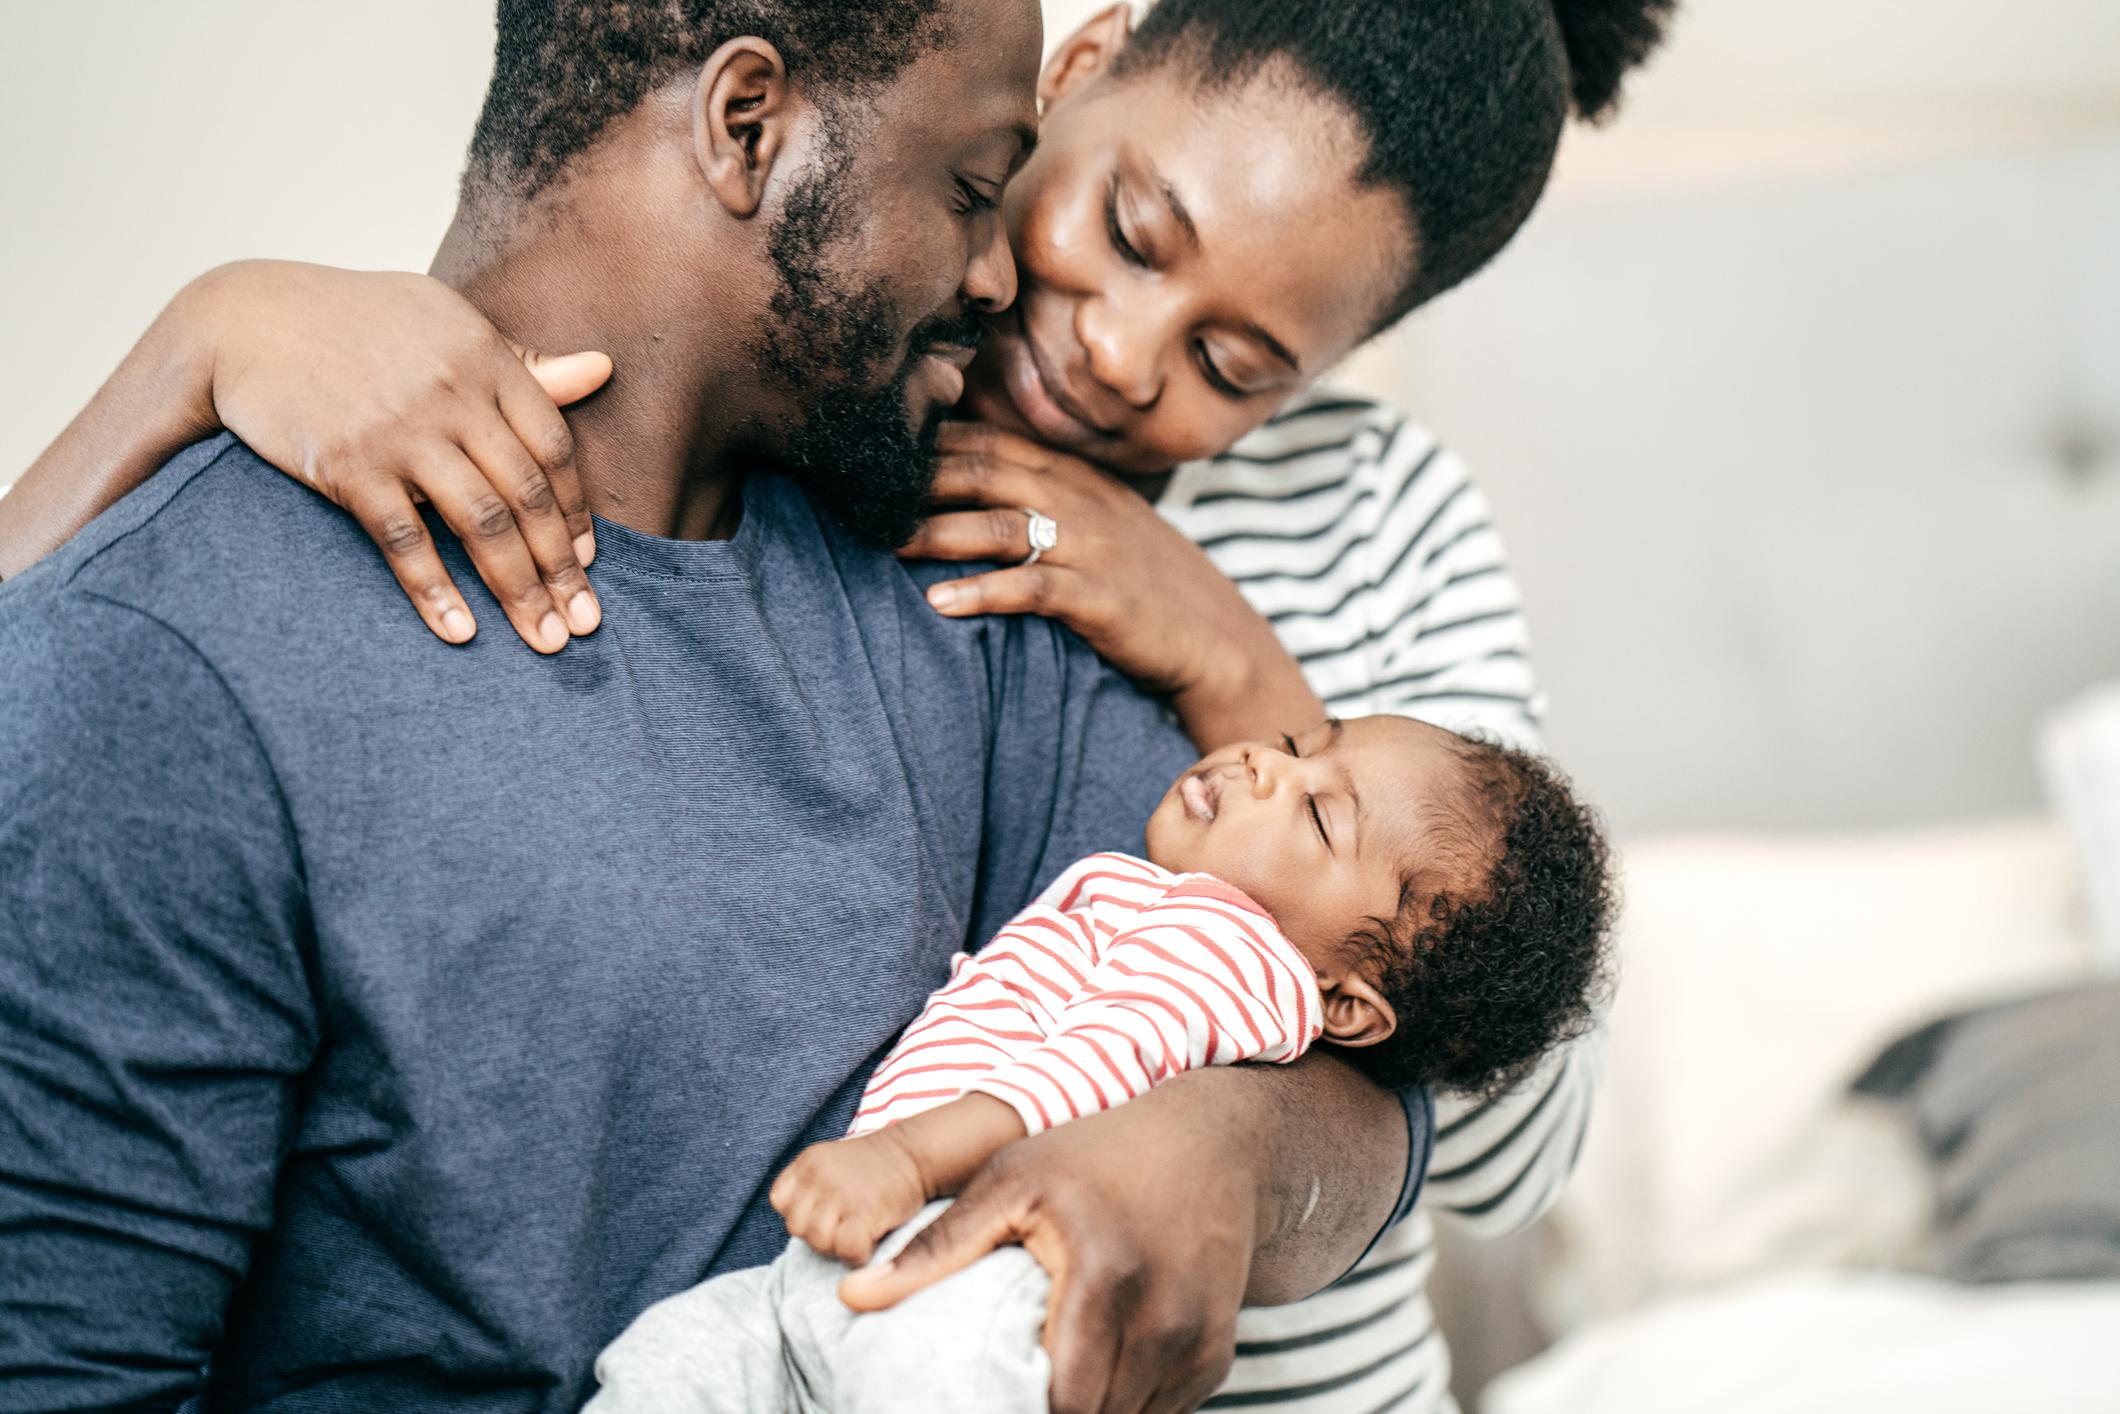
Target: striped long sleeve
x,y
1121,975
1202,978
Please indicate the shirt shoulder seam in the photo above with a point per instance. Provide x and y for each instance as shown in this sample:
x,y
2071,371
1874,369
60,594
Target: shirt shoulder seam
x,y
235,700
145,519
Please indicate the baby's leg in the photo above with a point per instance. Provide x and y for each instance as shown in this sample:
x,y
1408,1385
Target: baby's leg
x,y
778,1340
967,1345
714,1349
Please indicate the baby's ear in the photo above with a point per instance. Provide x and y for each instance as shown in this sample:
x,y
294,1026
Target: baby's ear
x,y
1356,1013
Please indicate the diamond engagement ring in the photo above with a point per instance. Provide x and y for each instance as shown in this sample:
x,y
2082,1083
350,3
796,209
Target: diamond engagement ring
x,y
1045,534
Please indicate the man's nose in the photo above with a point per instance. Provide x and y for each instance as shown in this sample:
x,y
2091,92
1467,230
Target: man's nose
x,y
990,276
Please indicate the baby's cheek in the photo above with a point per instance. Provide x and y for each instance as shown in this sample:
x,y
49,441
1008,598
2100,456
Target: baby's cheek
x,y
1165,846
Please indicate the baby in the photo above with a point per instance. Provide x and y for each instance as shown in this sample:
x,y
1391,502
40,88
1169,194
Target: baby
x,y
1436,905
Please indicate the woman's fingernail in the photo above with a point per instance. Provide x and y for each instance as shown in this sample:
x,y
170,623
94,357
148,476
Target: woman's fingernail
x,y
457,626
943,595
582,612
585,548
552,633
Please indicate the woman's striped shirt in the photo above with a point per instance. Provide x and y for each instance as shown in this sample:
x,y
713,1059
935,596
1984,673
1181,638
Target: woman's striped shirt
x,y
1365,544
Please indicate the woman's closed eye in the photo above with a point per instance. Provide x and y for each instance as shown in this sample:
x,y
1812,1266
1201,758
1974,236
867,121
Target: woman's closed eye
x,y
1212,372
1115,227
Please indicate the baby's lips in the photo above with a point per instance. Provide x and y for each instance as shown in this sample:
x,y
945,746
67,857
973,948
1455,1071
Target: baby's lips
x,y
1200,797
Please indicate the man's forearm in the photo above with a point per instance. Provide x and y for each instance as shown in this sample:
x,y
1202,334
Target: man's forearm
x,y
1331,1150
157,401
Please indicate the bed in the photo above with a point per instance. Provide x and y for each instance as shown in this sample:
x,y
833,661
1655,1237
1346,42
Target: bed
x,y
1859,1143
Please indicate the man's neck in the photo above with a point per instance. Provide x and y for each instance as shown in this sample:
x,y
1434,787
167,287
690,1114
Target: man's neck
x,y
655,445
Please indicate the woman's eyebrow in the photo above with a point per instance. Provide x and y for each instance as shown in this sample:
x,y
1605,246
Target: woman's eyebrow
x,y
1176,203
1184,218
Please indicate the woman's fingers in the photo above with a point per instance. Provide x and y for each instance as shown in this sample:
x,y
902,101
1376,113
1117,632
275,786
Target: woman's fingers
x,y
999,533
386,512
1051,590
485,522
974,478
985,439
566,378
532,405
533,498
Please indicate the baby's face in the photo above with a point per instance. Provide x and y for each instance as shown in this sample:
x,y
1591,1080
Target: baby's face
x,y
1320,829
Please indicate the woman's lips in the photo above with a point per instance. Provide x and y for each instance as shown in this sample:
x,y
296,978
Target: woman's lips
x,y
1028,389
1201,794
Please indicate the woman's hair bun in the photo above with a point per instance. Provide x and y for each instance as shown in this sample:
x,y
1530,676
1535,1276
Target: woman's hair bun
x,y
1605,39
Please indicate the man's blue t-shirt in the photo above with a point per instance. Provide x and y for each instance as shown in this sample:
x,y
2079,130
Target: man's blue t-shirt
x,y
393,1022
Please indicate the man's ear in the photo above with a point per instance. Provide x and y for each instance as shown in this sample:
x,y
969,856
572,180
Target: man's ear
x,y
1086,53
1356,1013
742,121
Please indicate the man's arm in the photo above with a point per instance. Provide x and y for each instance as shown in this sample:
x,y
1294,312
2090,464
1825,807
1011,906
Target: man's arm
x,y
155,1010
1158,1219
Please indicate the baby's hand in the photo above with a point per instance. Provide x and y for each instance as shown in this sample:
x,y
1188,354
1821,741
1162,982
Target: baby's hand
x,y
843,1197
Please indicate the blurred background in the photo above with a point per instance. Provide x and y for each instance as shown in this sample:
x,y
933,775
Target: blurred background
x,y
1799,401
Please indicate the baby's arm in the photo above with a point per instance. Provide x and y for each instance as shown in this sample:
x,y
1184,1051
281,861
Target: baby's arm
x,y
1200,979
843,1197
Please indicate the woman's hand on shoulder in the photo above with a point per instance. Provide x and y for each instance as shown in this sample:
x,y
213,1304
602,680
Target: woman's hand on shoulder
x,y
1144,596
383,389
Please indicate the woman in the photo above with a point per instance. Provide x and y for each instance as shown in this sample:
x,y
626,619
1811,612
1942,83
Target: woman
x,y
1224,202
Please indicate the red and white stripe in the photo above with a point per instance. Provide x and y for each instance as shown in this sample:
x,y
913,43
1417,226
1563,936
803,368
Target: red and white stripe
x,y
1121,975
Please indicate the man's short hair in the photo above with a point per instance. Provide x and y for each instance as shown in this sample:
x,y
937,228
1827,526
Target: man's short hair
x,y
565,69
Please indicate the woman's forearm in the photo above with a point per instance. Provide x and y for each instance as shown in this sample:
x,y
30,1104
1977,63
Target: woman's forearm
x,y
159,400
1256,694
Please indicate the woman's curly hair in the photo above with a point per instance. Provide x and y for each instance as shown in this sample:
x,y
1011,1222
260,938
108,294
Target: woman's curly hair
x,y
1501,949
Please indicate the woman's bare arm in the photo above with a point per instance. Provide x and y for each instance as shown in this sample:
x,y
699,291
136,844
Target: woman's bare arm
x,y
377,390
159,400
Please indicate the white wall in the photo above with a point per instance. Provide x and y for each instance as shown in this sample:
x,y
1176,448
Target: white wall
x,y
1813,483
145,142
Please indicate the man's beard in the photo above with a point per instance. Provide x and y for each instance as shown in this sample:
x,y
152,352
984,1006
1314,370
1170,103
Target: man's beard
x,y
854,450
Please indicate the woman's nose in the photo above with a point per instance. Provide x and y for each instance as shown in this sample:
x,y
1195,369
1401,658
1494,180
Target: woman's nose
x,y
1121,345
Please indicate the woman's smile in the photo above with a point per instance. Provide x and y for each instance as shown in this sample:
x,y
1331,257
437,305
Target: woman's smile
x,y
1041,398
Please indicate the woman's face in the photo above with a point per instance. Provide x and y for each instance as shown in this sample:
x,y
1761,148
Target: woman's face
x,y
1186,260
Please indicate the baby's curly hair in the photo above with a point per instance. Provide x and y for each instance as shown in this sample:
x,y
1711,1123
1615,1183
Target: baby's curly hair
x,y
1501,949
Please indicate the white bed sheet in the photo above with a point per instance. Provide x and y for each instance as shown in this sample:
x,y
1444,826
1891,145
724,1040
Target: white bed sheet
x,y
1837,1343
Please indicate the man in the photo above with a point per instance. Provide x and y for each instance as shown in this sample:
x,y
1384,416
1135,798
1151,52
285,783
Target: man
x,y
330,1077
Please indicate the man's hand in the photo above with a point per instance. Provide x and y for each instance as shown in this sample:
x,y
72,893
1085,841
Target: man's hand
x,y
1157,1217
844,1197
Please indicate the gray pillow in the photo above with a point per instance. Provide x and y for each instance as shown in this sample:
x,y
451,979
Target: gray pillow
x,y
2018,1109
